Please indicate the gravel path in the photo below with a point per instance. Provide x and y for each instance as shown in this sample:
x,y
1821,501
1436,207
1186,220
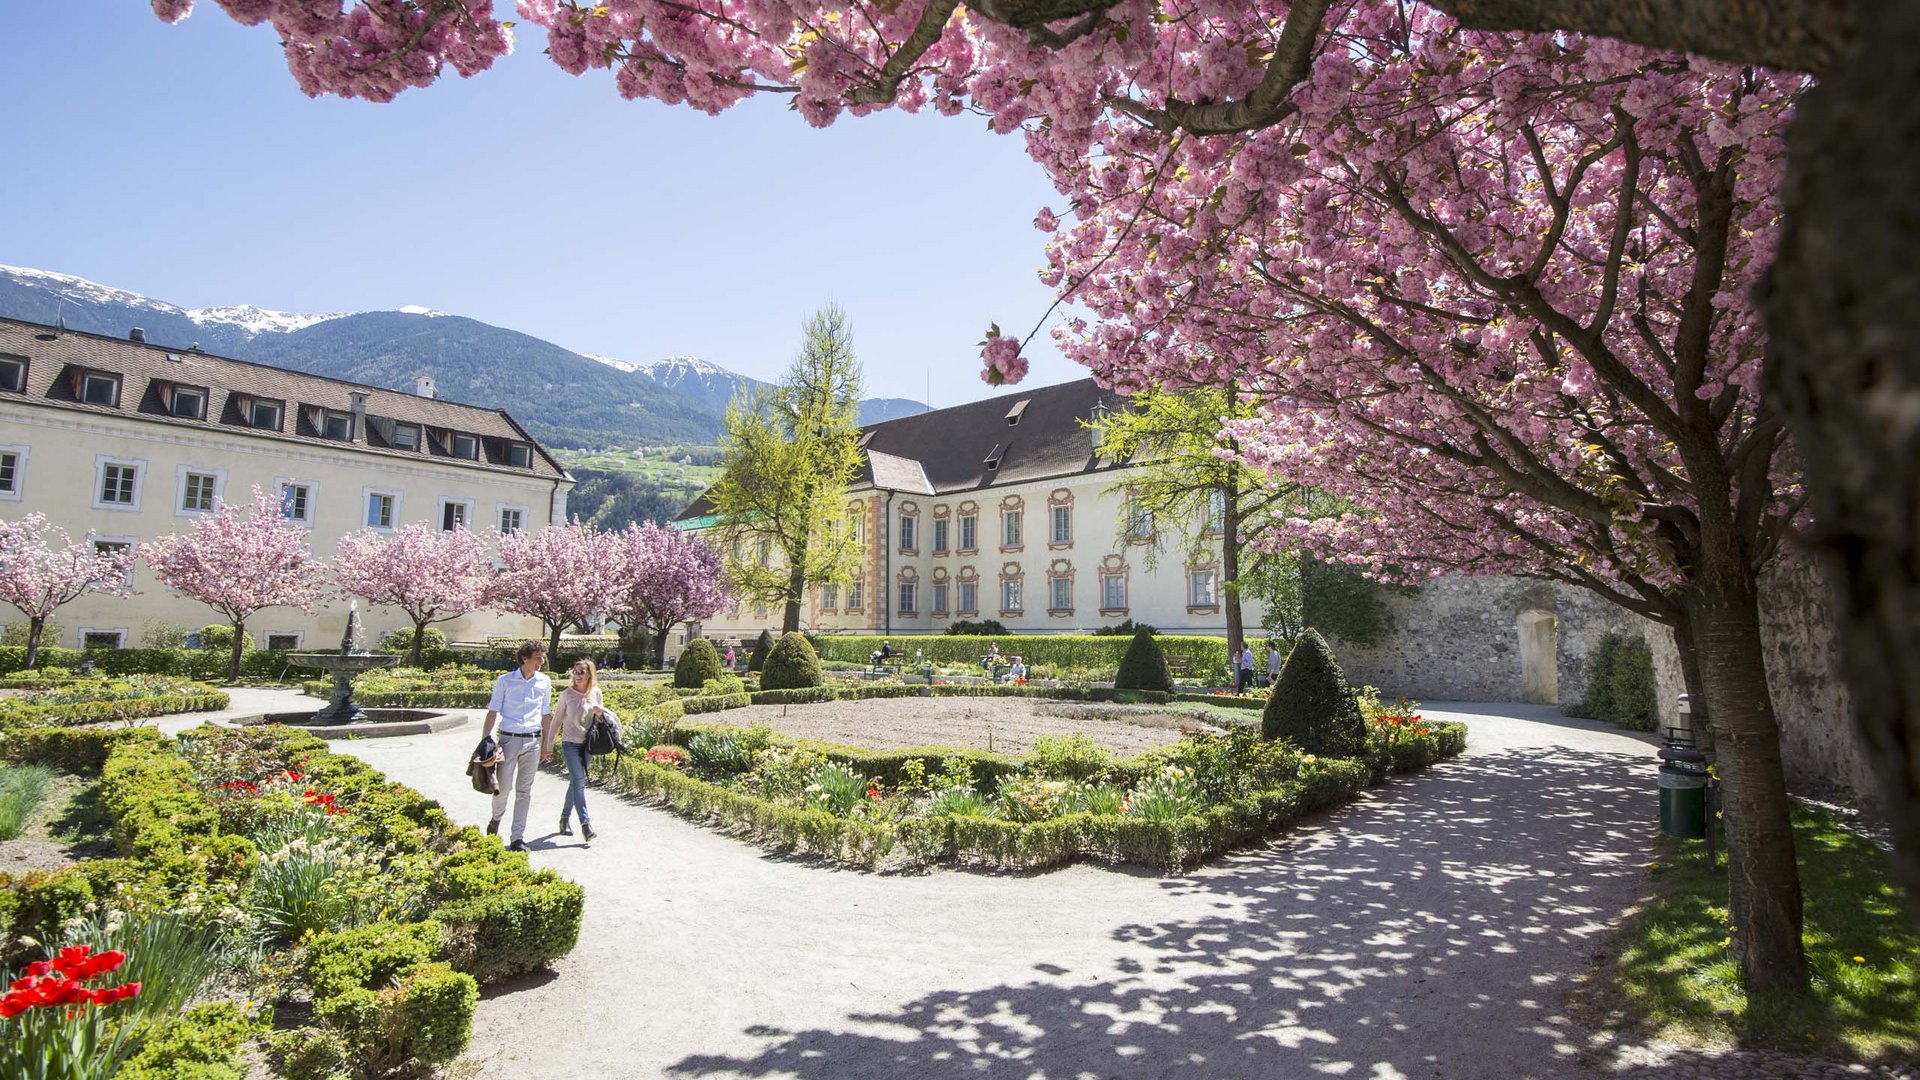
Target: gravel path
x,y
1008,725
1430,930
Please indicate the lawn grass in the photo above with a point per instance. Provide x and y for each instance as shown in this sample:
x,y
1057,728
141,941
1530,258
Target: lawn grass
x,y
1674,970
22,789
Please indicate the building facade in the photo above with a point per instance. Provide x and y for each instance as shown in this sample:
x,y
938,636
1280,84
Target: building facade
x,y
1004,509
128,441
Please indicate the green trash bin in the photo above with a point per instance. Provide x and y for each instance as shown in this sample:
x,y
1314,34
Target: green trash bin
x,y
1683,802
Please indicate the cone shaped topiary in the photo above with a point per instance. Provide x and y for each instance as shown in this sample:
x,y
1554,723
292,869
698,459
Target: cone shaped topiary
x,y
791,664
1143,667
758,661
1312,706
699,661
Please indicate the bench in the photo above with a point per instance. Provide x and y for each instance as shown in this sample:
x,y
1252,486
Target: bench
x,y
895,664
1180,664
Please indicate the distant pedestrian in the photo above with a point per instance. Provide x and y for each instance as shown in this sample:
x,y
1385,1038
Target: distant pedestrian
x,y
577,708
1246,668
730,657
1273,663
522,704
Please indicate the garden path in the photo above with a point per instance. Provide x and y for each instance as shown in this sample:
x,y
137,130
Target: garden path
x,y
1430,930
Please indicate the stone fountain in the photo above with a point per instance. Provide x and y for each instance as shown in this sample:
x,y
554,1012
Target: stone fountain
x,y
351,660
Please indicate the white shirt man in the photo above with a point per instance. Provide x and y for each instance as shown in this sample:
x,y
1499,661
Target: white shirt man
x,y
522,705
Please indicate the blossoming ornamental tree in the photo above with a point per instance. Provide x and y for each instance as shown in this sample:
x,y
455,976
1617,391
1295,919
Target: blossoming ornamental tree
x,y
667,577
559,574
431,574
238,562
1168,78
43,567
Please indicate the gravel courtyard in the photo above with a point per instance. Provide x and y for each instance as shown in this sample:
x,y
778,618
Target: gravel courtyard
x,y
1008,725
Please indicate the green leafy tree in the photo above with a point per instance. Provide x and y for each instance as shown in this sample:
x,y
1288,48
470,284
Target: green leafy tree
x,y
1175,440
1312,705
788,455
1143,666
1296,592
791,664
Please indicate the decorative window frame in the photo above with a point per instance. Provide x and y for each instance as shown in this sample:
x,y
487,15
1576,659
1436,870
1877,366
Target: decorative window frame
x,y
907,576
313,497
139,465
1213,527
502,507
856,590
905,512
1013,573
828,597
366,496
180,490
1057,498
1110,566
133,548
1127,534
967,576
80,637
1207,565
25,365
939,579
20,453
87,375
942,515
1013,504
968,509
440,515
298,636
1060,570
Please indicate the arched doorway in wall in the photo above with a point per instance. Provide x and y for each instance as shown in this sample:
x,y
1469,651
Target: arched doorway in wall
x,y
1539,657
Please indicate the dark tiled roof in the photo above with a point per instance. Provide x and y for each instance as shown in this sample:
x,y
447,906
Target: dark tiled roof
x,y
149,372
951,447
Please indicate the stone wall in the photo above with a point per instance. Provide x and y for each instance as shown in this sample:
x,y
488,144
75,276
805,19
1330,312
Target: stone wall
x,y
1466,639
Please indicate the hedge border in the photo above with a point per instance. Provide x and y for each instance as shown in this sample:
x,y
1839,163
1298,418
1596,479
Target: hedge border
x,y
76,713
1206,656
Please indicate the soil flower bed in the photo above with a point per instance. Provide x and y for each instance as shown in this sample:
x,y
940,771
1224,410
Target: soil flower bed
x,y
1167,809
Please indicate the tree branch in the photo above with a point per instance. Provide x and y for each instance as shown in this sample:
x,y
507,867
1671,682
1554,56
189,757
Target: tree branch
x,y
1796,35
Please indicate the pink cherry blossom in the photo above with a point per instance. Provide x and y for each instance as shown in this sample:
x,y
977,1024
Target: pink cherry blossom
x,y
42,567
238,562
431,574
667,577
560,574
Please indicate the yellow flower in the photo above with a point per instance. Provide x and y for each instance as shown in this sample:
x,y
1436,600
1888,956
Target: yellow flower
x,y
1859,959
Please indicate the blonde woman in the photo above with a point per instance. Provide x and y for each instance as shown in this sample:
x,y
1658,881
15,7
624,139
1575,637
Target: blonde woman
x,y
579,704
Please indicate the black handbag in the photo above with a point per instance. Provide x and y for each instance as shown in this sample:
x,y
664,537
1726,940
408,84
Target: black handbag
x,y
603,735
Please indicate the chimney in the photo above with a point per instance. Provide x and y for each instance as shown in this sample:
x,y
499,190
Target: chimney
x,y
137,334
423,386
1097,423
359,410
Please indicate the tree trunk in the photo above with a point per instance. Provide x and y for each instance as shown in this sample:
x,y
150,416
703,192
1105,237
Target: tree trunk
x,y
796,589
1763,880
553,645
239,640
1230,575
35,626
1687,648
1843,315
660,645
419,637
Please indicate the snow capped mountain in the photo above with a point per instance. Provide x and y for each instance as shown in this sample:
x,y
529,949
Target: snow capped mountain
x,y
253,320
617,365
79,290
416,309
675,370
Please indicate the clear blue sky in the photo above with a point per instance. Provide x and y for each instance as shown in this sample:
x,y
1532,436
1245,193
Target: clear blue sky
x,y
183,163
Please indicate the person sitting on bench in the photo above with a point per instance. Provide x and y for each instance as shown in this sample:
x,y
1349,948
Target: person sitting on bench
x,y
884,654
1018,672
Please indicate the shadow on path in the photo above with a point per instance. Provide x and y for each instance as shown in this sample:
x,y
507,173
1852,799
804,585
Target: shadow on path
x,y
1428,931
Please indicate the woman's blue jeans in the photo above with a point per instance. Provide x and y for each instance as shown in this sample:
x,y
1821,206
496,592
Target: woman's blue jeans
x,y
576,755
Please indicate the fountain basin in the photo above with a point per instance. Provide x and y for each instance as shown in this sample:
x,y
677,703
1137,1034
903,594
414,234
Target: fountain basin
x,y
370,724
335,663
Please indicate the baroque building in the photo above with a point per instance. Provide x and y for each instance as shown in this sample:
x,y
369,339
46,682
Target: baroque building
x,y
1004,509
129,441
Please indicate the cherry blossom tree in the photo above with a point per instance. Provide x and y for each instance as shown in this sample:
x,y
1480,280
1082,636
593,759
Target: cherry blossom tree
x,y
239,561
667,577
431,574
560,574
43,567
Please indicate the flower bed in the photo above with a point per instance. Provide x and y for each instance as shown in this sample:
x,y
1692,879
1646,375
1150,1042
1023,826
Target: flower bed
x,y
66,702
1167,809
1206,656
294,846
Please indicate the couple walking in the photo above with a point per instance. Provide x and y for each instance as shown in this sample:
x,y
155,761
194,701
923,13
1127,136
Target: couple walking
x,y
529,718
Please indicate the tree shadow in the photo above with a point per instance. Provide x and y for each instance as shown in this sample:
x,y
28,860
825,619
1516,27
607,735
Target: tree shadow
x,y
1430,930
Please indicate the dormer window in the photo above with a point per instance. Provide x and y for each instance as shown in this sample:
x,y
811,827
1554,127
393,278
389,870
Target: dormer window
x,y
263,414
1019,408
100,388
465,446
337,425
993,457
406,436
519,455
13,373
189,403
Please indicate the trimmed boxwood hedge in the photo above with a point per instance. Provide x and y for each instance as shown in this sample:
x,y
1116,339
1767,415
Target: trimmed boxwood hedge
x,y
1143,666
100,712
792,664
1206,656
